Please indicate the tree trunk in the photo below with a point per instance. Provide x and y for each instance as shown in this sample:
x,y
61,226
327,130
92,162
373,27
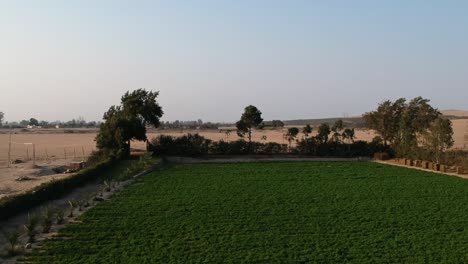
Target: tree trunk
x,y
250,140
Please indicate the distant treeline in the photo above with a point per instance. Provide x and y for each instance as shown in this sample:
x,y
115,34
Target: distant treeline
x,y
33,122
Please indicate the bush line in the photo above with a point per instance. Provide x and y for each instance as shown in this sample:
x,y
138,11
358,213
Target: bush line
x,y
13,205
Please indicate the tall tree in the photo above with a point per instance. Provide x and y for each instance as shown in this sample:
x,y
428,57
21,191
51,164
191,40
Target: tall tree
x,y
128,121
349,135
2,115
323,133
336,129
400,123
291,135
307,130
386,119
251,118
439,137
33,122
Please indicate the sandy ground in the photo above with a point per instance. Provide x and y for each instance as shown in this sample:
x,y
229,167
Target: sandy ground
x,y
9,185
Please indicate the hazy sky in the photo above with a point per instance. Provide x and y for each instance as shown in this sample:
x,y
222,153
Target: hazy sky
x,y
209,59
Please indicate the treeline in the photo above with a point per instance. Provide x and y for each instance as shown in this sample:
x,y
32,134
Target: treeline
x,y
329,141
414,129
33,122
198,124
194,145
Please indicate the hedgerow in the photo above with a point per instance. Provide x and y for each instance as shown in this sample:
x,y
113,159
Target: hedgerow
x,y
195,145
51,190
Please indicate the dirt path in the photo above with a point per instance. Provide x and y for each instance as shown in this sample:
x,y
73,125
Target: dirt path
x,y
393,163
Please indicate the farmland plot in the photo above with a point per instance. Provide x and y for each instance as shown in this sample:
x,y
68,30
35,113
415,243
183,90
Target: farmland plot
x,y
319,212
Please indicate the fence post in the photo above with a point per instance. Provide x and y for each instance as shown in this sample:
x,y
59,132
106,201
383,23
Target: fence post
x,y
27,153
34,154
9,151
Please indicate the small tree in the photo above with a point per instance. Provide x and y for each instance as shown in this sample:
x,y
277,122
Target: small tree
x,y
277,123
323,133
33,122
227,133
291,135
336,129
349,135
2,116
307,130
251,118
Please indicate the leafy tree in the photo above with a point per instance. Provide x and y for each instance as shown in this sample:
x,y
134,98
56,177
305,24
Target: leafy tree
x,y
349,135
128,122
401,124
24,123
385,120
323,133
307,130
33,122
291,135
277,123
415,119
142,104
251,118
2,116
438,138
336,129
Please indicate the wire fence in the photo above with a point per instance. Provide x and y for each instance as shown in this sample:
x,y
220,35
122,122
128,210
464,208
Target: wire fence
x,y
19,152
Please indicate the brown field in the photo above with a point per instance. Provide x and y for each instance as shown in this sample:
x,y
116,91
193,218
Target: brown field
x,y
56,146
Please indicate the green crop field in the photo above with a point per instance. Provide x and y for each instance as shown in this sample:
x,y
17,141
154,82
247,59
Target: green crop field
x,y
319,212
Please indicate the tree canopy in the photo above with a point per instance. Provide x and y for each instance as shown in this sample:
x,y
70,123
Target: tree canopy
x,y
128,121
402,124
251,118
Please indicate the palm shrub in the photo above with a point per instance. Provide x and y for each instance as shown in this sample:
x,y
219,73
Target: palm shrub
x,y
107,185
30,227
59,216
12,238
80,203
72,204
47,216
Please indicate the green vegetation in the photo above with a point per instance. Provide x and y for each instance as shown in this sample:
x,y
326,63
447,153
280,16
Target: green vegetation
x,y
128,121
319,212
251,118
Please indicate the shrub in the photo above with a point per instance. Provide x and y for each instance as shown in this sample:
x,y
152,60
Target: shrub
x,y
47,216
186,145
30,227
12,237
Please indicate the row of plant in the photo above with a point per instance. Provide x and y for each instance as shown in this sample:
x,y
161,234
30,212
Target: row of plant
x,y
106,170
47,217
43,221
